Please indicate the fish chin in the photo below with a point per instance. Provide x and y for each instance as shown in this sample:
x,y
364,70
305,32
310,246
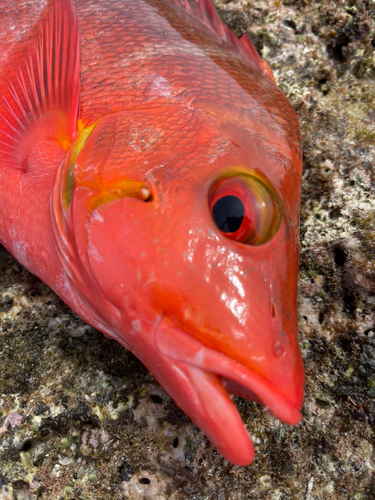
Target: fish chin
x,y
211,376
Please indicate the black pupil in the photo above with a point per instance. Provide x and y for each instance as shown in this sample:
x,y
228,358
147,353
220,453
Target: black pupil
x,y
228,213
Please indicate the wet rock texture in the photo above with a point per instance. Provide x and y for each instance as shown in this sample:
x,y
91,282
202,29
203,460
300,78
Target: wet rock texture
x,y
81,418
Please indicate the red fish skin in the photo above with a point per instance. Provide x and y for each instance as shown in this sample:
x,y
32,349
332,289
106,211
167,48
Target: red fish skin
x,y
182,128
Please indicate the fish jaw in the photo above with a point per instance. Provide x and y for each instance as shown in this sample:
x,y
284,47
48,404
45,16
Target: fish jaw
x,y
211,408
202,396
181,347
195,377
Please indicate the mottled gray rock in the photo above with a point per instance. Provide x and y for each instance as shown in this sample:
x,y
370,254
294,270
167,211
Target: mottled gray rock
x,y
81,418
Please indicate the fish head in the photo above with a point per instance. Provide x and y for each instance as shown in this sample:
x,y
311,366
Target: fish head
x,y
186,227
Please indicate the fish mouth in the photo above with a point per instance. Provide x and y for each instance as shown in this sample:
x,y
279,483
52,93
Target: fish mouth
x,y
210,376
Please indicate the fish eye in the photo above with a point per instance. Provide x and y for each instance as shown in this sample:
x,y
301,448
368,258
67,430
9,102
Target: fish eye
x,y
244,208
228,213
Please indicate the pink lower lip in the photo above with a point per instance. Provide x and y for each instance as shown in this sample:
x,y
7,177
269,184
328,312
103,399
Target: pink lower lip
x,y
218,417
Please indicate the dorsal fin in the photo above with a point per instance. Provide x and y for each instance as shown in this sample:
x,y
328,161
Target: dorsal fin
x,y
206,14
39,88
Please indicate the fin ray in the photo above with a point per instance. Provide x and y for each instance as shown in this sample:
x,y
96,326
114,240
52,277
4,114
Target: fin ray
x,y
42,77
205,12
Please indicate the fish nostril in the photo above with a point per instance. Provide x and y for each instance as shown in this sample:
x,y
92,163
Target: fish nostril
x,y
272,308
278,349
147,195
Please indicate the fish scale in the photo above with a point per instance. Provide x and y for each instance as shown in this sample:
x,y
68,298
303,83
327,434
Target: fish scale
x,y
130,63
112,202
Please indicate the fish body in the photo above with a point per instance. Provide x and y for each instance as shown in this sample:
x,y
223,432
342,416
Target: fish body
x,y
150,174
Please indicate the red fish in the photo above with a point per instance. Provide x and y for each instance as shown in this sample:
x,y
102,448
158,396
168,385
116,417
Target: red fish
x,y
150,175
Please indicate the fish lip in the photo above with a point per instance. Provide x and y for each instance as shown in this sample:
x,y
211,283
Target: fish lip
x,y
183,349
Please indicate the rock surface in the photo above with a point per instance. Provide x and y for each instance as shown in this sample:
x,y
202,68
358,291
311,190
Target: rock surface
x,y
81,418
